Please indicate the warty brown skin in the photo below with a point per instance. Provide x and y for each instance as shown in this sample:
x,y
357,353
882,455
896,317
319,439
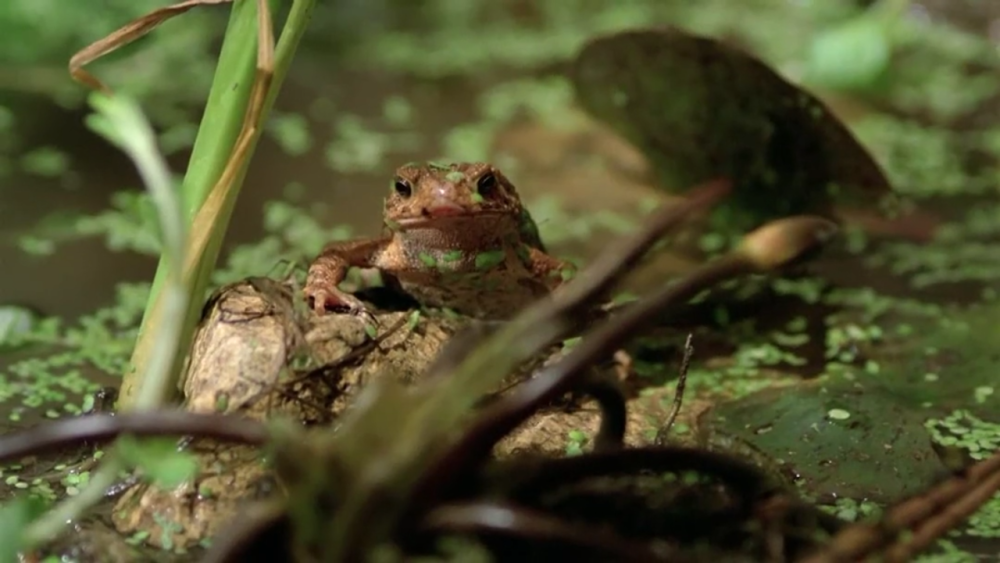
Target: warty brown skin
x,y
455,236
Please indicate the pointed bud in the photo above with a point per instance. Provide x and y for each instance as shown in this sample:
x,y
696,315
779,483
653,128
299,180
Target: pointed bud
x,y
784,241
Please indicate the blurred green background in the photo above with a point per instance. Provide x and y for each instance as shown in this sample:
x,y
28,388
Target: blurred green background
x,y
381,82
378,83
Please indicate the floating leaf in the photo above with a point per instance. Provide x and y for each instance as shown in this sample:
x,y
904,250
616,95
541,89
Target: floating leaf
x,y
836,439
699,108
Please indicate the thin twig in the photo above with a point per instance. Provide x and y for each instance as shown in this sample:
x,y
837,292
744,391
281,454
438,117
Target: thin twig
x,y
675,409
355,354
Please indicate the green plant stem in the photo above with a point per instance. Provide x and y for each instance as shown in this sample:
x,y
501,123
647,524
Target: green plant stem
x,y
291,35
219,130
217,134
121,120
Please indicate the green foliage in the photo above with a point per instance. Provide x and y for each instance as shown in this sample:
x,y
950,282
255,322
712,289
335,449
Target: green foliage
x,y
929,77
291,130
15,322
491,36
360,145
920,159
290,234
159,460
576,440
38,37
120,120
851,510
128,225
934,74
48,162
948,552
558,225
15,516
964,430
962,251
985,523
851,56
64,356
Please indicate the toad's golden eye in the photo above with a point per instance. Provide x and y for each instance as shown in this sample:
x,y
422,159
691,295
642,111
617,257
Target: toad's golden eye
x,y
402,187
486,184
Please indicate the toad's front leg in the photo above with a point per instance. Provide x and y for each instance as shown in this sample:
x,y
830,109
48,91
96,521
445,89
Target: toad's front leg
x,y
330,268
548,269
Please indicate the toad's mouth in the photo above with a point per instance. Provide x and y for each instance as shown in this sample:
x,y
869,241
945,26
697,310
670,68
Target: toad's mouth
x,y
438,220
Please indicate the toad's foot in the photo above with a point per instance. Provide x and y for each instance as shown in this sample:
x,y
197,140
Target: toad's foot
x,y
622,364
326,299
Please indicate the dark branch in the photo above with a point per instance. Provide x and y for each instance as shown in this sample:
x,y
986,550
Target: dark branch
x,y
743,478
106,427
490,518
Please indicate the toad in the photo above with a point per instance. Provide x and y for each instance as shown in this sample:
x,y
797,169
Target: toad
x,y
454,236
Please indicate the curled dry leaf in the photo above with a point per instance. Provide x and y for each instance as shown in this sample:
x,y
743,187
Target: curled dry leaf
x,y
123,36
699,108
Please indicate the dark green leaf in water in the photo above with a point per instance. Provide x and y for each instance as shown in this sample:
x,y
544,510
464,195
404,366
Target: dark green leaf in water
x,y
15,516
841,439
699,109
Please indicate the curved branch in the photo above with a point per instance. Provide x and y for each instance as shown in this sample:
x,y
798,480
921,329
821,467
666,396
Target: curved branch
x,y
105,427
491,518
745,479
614,411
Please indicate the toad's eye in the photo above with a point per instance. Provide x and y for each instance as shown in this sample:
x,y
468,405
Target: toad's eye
x,y
487,184
402,187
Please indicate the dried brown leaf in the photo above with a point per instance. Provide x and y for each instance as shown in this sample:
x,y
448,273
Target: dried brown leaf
x,y
124,35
